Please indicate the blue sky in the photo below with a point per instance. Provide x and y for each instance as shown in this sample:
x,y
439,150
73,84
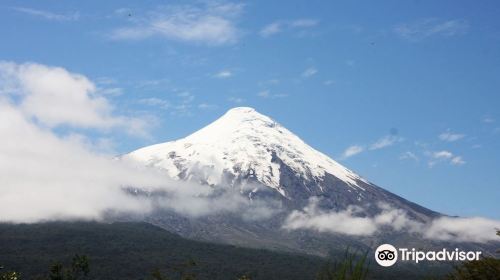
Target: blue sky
x,y
406,93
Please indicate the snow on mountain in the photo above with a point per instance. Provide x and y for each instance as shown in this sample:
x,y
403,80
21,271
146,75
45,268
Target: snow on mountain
x,y
251,152
244,143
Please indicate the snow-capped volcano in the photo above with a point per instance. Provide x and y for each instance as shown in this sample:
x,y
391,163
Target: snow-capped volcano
x,y
244,144
245,148
249,152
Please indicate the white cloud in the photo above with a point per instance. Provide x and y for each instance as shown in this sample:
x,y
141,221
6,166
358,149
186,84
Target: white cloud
x,y
352,150
49,15
264,94
444,156
45,177
224,74
97,144
154,101
425,28
457,160
311,71
206,106
352,221
408,155
48,177
208,23
283,25
349,221
450,137
56,97
474,229
384,142
271,29
381,143
186,97
336,222
194,200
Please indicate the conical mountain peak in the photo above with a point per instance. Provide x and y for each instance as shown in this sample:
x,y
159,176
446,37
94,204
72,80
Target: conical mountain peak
x,y
235,123
241,110
245,144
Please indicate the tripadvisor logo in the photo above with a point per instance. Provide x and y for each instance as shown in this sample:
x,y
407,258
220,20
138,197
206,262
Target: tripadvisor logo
x,y
388,255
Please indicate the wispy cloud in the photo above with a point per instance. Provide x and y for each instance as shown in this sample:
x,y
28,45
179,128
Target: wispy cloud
x,y
181,103
206,106
281,26
487,119
209,23
352,150
268,94
424,28
48,15
450,137
271,29
186,97
156,102
184,104
304,23
457,160
381,143
111,91
408,155
237,100
309,72
444,156
385,141
224,74
329,82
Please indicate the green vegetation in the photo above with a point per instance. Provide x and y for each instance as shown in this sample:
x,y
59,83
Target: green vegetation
x,y
143,251
79,269
484,269
11,275
352,267
136,250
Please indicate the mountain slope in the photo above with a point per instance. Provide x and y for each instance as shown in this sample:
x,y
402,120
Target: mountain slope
x,y
246,151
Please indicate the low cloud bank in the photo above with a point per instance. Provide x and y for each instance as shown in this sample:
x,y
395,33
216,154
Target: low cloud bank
x,y
45,176
475,229
351,222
